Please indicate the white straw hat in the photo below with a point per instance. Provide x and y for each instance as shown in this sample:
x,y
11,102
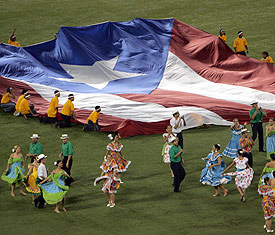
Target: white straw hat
x,y
41,156
35,136
64,136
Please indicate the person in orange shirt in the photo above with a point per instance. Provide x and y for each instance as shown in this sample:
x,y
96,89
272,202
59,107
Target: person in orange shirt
x,y
266,58
25,109
67,112
6,104
12,41
240,44
93,120
52,110
222,35
24,92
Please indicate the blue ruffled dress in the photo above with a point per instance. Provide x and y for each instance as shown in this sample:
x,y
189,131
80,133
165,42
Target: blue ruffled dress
x,y
213,176
233,145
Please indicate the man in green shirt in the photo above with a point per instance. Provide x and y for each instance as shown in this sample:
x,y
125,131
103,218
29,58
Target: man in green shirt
x,y
176,163
256,115
67,153
35,147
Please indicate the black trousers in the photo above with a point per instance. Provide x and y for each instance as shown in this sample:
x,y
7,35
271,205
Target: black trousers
x,y
250,158
179,136
91,126
49,120
241,53
257,128
39,201
179,174
67,121
68,181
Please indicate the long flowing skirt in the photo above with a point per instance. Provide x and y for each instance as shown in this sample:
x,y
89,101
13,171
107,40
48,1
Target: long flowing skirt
x,y
165,152
14,174
232,147
242,178
270,145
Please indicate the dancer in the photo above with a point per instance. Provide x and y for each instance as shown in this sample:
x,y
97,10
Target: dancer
x,y
246,143
212,173
268,169
178,123
111,179
15,169
114,149
233,146
42,175
31,179
243,175
270,138
176,164
168,138
6,103
54,192
267,193
256,115
36,148
67,153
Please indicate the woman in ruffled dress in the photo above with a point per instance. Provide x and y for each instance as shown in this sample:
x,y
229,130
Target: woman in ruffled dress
x,y
114,149
212,173
54,192
31,179
243,175
270,138
168,139
268,169
111,179
233,145
15,169
267,192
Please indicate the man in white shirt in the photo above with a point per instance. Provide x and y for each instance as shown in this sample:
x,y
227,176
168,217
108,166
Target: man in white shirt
x,y
42,174
178,123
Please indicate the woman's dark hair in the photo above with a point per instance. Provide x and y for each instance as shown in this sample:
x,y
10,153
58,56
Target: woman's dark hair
x,y
240,152
221,32
9,89
217,146
273,173
266,179
272,118
272,156
265,52
57,162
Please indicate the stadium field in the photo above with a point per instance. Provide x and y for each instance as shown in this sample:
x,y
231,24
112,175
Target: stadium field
x,y
145,203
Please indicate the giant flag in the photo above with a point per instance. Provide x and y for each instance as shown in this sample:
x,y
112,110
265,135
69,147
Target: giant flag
x,y
140,72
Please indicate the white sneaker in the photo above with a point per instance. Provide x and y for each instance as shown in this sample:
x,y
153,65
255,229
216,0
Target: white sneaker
x,y
269,231
108,205
264,226
113,205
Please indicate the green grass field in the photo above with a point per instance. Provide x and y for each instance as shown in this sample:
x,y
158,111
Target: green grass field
x,y
145,203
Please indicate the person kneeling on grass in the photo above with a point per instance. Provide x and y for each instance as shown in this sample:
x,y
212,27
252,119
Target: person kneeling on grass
x,y
93,120
6,104
52,110
67,112
111,179
21,97
25,109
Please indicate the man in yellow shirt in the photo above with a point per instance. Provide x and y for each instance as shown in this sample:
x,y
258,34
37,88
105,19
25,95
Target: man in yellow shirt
x,y
266,58
240,44
6,103
222,35
52,110
67,112
21,97
12,41
25,109
93,120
